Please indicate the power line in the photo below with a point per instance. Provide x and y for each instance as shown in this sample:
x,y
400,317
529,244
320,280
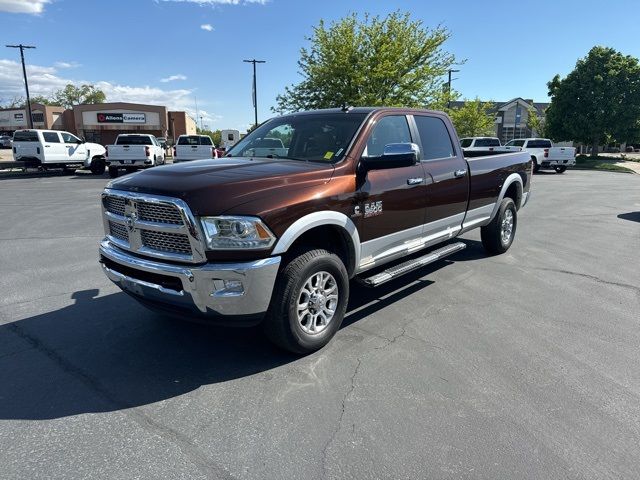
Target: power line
x,y
26,84
255,88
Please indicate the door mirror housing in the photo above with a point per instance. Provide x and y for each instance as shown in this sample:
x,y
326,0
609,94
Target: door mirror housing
x,y
395,155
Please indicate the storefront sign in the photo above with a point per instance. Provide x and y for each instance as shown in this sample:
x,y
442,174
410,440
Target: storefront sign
x,y
18,116
122,118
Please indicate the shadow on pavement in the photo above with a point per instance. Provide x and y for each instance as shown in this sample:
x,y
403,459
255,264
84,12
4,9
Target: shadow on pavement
x,y
631,216
108,353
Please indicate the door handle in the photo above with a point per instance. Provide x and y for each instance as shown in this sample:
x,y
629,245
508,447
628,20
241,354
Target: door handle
x,y
415,181
47,146
460,173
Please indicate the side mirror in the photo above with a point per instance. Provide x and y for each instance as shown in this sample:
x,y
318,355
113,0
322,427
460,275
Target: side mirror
x,y
395,155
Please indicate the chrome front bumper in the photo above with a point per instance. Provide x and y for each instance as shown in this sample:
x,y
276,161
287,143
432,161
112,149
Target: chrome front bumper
x,y
210,290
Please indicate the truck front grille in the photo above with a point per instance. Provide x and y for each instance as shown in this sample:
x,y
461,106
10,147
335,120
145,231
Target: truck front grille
x,y
166,242
154,212
114,205
151,225
119,231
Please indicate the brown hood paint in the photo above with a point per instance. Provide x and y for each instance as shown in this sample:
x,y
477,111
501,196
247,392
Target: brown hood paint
x,y
211,187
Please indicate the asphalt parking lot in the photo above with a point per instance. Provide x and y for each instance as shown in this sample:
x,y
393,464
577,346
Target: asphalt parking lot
x,y
525,365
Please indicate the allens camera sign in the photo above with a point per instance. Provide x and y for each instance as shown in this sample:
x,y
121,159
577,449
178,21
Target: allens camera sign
x,y
122,118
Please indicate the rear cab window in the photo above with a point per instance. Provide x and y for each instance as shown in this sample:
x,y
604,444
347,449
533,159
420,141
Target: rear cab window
x,y
487,142
25,136
435,138
134,140
539,144
189,140
466,142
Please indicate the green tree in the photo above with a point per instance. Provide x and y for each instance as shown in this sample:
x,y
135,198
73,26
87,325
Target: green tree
x,y
535,123
598,101
41,99
72,95
474,118
393,61
216,135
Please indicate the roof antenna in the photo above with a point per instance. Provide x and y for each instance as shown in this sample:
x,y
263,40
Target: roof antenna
x,y
345,108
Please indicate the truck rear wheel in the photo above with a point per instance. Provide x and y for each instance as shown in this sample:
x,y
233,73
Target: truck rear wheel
x,y
561,169
498,235
113,172
536,167
309,302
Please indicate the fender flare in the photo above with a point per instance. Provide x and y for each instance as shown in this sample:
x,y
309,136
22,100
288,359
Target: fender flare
x,y
319,219
514,177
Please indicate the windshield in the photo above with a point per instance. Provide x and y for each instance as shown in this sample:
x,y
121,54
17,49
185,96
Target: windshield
x,y
322,137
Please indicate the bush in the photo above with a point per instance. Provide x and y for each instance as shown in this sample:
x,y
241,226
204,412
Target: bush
x,y
581,159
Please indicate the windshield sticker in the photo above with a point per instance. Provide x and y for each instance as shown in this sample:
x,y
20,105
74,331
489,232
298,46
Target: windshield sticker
x,y
328,155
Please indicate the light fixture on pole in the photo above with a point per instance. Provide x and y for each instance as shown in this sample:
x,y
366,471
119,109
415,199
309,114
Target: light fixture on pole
x,y
255,89
26,84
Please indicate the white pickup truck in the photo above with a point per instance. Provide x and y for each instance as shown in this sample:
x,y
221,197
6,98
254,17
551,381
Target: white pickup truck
x,y
484,144
134,151
193,147
53,148
544,155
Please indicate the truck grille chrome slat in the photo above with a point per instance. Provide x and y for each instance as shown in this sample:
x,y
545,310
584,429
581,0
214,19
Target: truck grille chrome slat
x,y
152,225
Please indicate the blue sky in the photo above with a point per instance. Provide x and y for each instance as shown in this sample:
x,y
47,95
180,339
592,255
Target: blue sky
x,y
170,52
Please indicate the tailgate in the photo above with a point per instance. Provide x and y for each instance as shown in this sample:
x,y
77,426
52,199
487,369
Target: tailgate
x,y
26,149
193,152
126,152
562,153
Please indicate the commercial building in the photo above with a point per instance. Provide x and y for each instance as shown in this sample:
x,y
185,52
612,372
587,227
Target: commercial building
x,y
43,116
101,122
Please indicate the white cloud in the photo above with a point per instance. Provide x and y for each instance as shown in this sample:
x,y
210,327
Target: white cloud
x,y
44,80
33,7
206,27
66,64
172,78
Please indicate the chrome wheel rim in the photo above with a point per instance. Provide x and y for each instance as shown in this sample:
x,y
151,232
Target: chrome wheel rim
x,y
506,228
317,302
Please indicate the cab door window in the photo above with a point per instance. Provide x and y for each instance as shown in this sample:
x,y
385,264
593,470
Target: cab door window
x,y
68,138
51,137
390,129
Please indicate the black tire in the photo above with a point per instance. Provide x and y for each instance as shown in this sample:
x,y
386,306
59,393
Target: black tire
x,y
536,167
281,323
131,169
492,234
113,172
561,169
97,166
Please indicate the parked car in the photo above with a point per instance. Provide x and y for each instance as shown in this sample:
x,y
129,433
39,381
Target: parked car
x,y
57,149
544,155
5,141
134,151
471,145
276,240
193,147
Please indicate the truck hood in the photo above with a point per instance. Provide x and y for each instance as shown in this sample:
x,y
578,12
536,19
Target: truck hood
x,y
213,186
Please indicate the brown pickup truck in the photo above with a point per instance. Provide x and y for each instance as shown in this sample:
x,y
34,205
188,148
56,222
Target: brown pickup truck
x,y
274,235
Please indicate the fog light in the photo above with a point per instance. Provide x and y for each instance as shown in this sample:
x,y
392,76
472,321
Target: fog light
x,y
227,288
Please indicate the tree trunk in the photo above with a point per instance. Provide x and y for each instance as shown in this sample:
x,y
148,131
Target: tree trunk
x,y
594,149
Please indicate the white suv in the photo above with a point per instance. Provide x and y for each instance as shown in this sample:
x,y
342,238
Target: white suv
x,y
54,148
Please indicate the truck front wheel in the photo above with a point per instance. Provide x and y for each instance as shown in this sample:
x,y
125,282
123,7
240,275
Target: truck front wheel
x,y
309,301
97,166
498,235
536,167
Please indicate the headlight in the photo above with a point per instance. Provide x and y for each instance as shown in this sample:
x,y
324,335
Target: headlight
x,y
226,233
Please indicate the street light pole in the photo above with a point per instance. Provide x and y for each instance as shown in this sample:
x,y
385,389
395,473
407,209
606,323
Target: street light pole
x,y
26,84
450,71
255,88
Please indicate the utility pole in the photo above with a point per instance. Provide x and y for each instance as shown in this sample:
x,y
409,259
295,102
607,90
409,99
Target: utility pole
x,y
450,71
26,84
255,88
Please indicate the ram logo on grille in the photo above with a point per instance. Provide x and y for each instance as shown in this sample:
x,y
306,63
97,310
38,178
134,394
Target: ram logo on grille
x,y
151,225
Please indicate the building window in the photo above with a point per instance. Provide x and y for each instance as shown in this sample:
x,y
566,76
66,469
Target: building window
x,y
37,117
507,133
